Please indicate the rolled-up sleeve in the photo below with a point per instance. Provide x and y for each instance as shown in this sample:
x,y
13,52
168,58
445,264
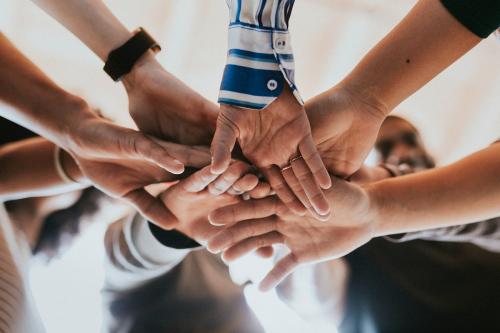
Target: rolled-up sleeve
x,y
481,17
260,59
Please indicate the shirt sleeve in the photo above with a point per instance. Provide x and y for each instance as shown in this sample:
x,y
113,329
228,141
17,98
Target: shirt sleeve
x,y
134,256
484,234
260,59
481,17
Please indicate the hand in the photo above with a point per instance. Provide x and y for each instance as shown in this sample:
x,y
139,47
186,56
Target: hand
x,y
271,138
163,106
366,175
121,162
265,222
344,127
191,204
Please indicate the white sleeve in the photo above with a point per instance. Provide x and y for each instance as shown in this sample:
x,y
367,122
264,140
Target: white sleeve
x,y
134,256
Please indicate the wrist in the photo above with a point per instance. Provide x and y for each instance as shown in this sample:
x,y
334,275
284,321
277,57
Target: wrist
x,y
375,204
366,95
144,65
71,168
76,114
70,112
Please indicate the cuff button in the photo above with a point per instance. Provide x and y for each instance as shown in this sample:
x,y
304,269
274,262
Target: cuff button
x,y
272,85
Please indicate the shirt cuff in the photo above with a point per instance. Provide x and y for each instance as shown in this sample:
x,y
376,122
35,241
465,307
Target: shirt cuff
x,y
172,238
259,65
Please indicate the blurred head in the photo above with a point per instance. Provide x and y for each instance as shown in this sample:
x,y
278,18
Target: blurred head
x,y
399,142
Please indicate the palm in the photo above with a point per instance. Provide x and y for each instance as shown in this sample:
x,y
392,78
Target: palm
x,y
270,136
121,177
163,106
344,129
267,222
273,138
194,222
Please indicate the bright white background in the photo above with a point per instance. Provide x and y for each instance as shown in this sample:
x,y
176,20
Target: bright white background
x,y
458,112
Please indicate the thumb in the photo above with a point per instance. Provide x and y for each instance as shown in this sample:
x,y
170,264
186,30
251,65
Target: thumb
x,y
223,143
140,146
151,208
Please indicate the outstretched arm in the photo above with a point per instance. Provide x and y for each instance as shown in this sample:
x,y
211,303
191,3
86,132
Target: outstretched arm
x,y
348,116
261,108
159,103
101,149
463,192
28,168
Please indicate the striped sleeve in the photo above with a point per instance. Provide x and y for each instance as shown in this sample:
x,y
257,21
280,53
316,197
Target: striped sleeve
x,y
260,59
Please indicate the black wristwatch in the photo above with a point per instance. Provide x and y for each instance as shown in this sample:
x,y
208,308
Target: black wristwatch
x,y
121,60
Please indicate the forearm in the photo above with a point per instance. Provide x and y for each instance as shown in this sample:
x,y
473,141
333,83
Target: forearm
x,y
38,103
94,24
423,44
91,21
28,169
464,192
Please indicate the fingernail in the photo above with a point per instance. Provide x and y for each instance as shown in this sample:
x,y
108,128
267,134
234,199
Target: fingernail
x,y
212,222
214,190
213,250
245,196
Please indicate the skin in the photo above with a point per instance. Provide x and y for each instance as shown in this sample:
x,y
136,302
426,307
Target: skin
x,y
191,206
34,157
426,41
429,199
100,148
160,104
270,138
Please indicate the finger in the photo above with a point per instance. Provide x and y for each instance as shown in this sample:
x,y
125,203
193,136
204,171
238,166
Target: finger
x,y
246,184
223,143
199,180
151,208
193,156
241,231
296,187
246,210
313,160
142,147
265,252
262,190
250,244
278,184
308,188
234,172
279,272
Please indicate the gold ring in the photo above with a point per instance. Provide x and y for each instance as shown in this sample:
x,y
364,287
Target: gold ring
x,y
286,167
296,158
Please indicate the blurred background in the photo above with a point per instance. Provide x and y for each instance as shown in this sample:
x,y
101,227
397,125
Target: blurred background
x,y
457,113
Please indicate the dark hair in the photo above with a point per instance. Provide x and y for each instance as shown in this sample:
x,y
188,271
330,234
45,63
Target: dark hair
x,y
62,226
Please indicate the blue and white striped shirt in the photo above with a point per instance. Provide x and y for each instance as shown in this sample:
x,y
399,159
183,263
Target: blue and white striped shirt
x,y
260,58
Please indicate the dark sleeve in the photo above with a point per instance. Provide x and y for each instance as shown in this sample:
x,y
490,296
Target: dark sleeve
x,y
172,238
481,17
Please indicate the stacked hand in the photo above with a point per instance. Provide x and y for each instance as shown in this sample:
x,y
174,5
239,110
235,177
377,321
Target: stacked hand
x,y
264,222
278,140
344,127
122,161
163,106
192,203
